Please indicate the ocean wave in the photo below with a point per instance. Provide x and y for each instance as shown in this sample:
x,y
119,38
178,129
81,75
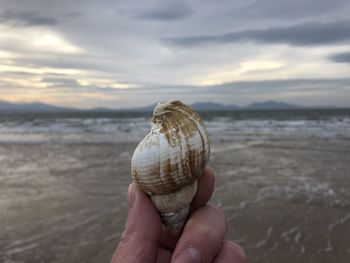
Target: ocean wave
x,y
220,128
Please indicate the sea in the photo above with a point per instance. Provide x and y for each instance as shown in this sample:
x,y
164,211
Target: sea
x,y
281,178
222,126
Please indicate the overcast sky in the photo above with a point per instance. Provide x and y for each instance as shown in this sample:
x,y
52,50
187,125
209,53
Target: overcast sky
x,y
132,53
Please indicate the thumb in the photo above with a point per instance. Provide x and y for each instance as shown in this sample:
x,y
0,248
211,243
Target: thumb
x,y
140,239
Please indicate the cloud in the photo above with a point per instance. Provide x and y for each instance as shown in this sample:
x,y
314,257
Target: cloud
x,y
288,9
36,40
341,57
307,34
281,85
299,91
66,48
172,10
60,82
72,14
26,18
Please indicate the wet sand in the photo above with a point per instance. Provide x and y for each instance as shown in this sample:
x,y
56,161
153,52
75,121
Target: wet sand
x,y
286,201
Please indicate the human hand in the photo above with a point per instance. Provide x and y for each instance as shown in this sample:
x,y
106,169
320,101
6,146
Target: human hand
x,y
145,239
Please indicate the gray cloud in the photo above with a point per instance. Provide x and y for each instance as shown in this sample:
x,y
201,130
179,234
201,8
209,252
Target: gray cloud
x,y
299,91
288,9
120,42
71,62
26,18
61,82
231,91
306,34
275,87
72,14
341,57
172,10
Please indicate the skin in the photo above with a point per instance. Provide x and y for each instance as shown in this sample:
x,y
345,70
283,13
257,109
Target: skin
x,y
145,239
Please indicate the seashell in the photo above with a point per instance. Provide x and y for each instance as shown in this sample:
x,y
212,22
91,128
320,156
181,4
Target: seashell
x,y
168,161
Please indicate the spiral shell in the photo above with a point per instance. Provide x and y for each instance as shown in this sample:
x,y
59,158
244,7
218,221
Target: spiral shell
x,y
168,161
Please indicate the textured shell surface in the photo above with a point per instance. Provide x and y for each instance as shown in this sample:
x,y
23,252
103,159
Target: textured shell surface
x,y
175,151
168,161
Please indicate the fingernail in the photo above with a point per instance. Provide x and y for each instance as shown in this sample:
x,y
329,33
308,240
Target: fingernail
x,y
190,254
131,196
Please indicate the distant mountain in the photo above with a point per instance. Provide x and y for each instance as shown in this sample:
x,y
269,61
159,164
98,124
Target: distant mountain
x,y
100,110
254,106
149,108
199,106
271,105
31,107
202,106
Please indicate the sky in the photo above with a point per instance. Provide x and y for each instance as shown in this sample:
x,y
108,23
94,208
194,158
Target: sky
x,y
129,53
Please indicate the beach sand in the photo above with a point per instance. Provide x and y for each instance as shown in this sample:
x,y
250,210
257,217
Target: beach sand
x,y
286,201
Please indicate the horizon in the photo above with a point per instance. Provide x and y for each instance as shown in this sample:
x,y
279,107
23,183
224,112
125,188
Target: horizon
x,y
131,55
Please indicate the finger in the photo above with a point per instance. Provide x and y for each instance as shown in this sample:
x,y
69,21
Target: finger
x,y
230,252
139,241
167,239
205,188
164,255
202,236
